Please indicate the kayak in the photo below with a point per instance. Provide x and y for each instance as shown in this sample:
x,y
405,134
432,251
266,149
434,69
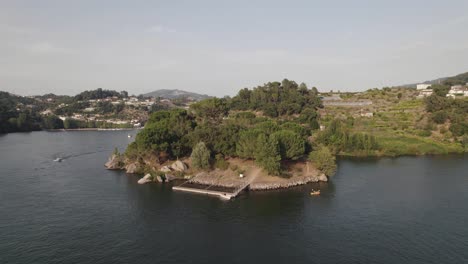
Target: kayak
x,y
315,192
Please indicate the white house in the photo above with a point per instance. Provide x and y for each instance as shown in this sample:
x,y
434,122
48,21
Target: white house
x,y
457,90
425,93
422,86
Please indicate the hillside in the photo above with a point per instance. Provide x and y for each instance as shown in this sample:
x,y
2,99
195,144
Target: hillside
x,y
176,94
457,79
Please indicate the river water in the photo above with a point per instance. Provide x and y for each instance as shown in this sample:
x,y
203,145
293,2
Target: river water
x,y
402,210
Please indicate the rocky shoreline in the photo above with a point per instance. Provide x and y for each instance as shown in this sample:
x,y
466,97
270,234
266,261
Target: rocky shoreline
x,y
218,178
295,181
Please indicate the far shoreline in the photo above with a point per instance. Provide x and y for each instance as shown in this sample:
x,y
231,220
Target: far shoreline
x,y
90,129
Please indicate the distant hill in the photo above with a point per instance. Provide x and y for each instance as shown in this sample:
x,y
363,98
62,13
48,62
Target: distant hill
x,y
174,94
457,79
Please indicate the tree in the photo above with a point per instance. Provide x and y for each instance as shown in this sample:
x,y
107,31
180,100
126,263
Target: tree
x,y
268,127
300,130
267,154
167,132
52,122
200,156
246,145
291,145
212,110
309,116
324,160
439,117
440,90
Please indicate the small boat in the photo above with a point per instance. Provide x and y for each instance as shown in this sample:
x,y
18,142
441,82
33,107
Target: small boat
x,y
129,136
314,192
58,160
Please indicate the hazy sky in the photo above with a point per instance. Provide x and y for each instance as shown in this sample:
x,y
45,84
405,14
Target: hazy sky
x,y
217,47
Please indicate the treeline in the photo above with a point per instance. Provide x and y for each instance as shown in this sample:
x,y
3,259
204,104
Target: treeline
x,y
276,99
100,94
12,120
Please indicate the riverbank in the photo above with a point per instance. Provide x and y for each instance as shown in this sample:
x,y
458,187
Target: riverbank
x,y
239,173
90,129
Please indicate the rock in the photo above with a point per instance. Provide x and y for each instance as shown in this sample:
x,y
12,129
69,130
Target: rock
x,y
323,177
159,179
114,163
169,177
131,168
147,178
165,169
179,166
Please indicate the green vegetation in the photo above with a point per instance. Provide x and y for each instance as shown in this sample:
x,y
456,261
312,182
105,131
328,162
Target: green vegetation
x,y
278,122
226,132
324,159
267,154
200,156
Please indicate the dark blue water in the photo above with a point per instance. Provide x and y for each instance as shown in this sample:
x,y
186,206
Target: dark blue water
x,y
404,210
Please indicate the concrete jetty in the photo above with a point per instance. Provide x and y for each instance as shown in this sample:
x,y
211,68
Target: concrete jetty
x,y
223,195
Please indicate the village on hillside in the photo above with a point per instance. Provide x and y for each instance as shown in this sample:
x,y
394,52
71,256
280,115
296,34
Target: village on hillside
x,y
455,90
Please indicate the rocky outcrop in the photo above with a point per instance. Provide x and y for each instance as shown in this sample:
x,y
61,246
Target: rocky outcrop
x,y
159,178
176,166
115,162
132,168
147,178
179,166
165,169
169,177
322,177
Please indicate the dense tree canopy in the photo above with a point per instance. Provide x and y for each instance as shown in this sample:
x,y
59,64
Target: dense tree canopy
x,y
276,99
99,94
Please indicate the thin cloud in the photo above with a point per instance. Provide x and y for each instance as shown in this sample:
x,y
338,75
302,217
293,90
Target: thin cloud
x,y
46,48
160,29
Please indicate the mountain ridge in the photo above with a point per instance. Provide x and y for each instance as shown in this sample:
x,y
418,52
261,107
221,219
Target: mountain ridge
x,y
175,94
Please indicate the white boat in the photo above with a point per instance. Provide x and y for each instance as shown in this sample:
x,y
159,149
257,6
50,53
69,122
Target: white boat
x,y
129,136
58,160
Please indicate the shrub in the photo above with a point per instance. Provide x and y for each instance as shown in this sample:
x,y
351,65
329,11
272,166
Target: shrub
x,y
439,117
200,156
424,133
220,162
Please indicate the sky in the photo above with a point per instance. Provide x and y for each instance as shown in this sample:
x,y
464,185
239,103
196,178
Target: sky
x,y
218,47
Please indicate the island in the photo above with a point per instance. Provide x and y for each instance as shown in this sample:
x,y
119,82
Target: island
x,y
284,134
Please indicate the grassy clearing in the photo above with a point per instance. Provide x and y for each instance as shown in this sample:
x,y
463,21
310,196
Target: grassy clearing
x,y
397,145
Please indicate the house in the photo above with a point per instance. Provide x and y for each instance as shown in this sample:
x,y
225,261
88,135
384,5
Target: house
x,y
89,109
422,86
425,93
458,90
